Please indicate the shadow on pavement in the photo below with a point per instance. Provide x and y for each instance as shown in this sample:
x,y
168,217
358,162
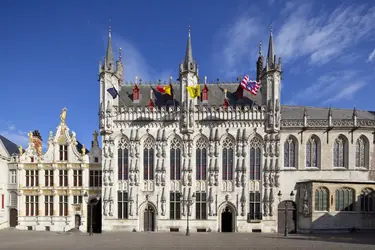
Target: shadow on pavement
x,y
353,238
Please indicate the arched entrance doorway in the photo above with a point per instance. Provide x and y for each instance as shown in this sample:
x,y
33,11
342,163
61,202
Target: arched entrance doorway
x,y
228,219
96,216
77,221
13,217
149,218
288,210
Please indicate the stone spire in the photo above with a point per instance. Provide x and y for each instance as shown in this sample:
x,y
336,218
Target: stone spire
x,y
260,63
271,54
189,64
109,61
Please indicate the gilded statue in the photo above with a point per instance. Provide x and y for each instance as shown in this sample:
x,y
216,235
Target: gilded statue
x,y
20,149
63,115
30,134
83,149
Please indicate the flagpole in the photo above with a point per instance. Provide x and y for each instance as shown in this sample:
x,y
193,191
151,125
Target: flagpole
x,y
119,97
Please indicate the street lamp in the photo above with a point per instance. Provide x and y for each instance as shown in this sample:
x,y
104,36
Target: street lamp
x,y
188,202
286,211
91,203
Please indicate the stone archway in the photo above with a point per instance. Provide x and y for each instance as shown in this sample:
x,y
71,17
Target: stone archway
x,y
288,210
149,218
227,219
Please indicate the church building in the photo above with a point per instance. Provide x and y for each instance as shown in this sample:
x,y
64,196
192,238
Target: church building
x,y
228,160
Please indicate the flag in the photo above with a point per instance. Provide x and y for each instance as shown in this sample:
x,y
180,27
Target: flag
x,y
165,89
113,92
250,85
194,91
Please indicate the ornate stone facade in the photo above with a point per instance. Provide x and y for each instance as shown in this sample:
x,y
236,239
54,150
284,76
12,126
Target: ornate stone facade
x,y
52,185
225,160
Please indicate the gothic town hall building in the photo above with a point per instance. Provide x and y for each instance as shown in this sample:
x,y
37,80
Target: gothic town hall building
x,y
229,161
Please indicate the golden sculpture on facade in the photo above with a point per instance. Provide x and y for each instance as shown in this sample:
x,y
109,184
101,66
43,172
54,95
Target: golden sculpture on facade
x,y
20,149
83,149
30,134
63,115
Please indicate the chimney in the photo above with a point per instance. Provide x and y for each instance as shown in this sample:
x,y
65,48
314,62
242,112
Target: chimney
x,y
38,141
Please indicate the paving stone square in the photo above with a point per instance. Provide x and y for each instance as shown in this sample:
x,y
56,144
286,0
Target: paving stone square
x,y
30,240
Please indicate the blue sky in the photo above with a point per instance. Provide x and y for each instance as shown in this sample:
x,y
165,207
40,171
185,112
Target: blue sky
x,y
50,52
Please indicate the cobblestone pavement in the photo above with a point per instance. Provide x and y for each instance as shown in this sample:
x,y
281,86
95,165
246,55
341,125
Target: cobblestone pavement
x,y
26,240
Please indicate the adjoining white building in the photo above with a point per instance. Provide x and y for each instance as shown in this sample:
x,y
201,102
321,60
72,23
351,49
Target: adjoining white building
x,y
52,185
8,183
229,160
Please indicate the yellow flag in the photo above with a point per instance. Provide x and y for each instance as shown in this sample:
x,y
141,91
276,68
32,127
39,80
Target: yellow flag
x,y
194,91
167,90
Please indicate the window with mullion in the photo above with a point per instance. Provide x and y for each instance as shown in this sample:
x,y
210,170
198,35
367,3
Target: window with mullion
x,y
63,205
201,206
344,199
148,164
175,160
63,151
254,206
254,163
122,205
321,199
48,205
290,153
175,206
367,200
123,164
201,164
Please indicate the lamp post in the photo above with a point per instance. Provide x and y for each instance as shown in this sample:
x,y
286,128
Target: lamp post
x,y
188,202
286,211
91,203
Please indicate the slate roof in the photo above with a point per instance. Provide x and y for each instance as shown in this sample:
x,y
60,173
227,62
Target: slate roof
x,y
216,98
79,148
10,146
296,112
215,95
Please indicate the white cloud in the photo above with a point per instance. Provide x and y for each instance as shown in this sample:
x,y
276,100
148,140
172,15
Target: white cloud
x,y
371,57
235,53
323,37
135,64
13,134
332,87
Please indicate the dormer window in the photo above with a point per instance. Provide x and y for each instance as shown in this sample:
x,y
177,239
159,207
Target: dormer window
x,y
205,94
96,159
31,159
63,152
135,94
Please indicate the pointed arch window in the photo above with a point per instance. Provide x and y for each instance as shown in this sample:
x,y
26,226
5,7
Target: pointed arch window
x,y
367,200
123,159
228,154
321,199
312,152
175,159
361,153
290,153
339,152
201,159
148,159
345,199
255,154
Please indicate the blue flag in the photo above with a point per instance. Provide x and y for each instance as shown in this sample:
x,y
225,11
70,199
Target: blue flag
x,y
113,92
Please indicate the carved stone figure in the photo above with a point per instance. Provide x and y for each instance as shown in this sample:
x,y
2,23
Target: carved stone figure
x,y
63,115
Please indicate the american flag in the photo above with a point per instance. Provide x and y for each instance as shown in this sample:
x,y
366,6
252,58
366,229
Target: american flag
x,y
250,85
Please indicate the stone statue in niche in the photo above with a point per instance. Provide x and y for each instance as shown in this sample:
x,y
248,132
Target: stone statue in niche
x,y
211,179
163,178
131,178
158,149
157,177
211,149
105,149
105,207
305,205
105,178
163,205
110,180
190,182
131,208
270,118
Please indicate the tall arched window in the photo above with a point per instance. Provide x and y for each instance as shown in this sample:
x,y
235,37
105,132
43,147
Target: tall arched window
x,y
367,200
201,159
175,159
312,152
148,159
123,159
290,153
255,153
228,153
321,199
361,153
339,152
345,199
